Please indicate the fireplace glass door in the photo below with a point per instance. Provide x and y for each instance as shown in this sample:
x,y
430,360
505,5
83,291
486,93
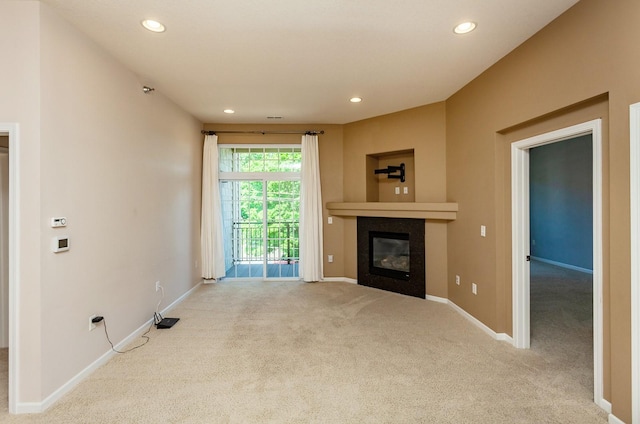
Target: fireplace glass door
x,y
389,254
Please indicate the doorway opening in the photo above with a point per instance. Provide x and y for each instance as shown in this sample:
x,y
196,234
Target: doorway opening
x,y
561,217
260,200
521,240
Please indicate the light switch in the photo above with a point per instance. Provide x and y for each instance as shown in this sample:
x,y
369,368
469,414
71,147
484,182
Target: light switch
x,y
330,220
397,190
483,231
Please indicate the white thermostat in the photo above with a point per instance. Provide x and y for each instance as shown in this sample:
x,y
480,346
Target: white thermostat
x,y
60,244
59,222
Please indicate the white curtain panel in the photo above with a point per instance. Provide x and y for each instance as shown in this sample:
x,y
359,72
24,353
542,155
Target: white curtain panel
x,y
311,251
211,237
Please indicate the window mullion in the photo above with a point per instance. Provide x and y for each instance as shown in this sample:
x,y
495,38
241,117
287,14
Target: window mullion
x,y
265,231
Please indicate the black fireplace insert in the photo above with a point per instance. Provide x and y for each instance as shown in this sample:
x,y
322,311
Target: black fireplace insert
x,y
389,254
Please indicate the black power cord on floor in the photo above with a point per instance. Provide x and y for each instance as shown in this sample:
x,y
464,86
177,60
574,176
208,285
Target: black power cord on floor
x,y
156,319
128,350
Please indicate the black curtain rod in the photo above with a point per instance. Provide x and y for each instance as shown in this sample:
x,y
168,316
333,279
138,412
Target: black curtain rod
x,y
214,132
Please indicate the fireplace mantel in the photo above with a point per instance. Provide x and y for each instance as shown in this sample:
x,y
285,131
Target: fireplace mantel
x,y
438,211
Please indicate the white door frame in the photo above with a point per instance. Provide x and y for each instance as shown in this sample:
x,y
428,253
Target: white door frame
x,y
4,235
520,241
12,129
634,148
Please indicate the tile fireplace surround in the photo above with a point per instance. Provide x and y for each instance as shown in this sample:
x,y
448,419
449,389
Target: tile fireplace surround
x,y
414,284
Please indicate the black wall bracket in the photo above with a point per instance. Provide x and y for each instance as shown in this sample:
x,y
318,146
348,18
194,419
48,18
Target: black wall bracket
x,y
391,172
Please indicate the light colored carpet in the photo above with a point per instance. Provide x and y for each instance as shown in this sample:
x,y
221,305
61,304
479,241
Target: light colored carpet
x,y
562,321
253,352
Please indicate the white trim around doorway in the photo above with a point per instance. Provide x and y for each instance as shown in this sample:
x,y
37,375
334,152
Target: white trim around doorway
x,y
13,130
520,241
634,157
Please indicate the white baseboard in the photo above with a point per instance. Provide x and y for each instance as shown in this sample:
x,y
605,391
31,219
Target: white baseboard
x,y
562,265
339,280
178,300
29,408
615,420
437,299
65,388
504,337
37,407
497,336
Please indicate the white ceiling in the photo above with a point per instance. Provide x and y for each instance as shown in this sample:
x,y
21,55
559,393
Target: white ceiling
x,y
304,59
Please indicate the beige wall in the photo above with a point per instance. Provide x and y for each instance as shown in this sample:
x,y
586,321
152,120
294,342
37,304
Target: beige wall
x,y
581,66
423,130
331,170
125,170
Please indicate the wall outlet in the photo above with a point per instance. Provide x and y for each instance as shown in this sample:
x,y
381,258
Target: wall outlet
x,y
157,285
92,326
483,231
458,280
330,258
474,288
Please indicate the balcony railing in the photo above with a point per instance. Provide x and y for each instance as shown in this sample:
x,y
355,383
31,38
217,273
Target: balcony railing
x,y
282,242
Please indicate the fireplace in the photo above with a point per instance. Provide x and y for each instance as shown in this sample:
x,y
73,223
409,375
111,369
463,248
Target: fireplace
x,y
391,254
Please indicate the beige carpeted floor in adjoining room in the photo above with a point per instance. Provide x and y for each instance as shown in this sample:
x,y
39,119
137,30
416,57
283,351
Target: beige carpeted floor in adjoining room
x,y
562,320
289,352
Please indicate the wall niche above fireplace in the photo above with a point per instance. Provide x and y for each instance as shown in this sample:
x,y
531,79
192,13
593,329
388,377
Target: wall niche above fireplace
x,y
381,188
391,254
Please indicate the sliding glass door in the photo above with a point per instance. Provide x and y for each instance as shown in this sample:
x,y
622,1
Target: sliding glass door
x,y
260,193
243,211
282,228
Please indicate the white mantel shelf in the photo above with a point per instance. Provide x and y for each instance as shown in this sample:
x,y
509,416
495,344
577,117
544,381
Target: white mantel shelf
x,y
441,211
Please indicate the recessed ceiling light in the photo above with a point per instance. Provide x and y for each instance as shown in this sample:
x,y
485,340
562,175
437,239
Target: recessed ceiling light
x,y
355,99
465,27
229,111
152,25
